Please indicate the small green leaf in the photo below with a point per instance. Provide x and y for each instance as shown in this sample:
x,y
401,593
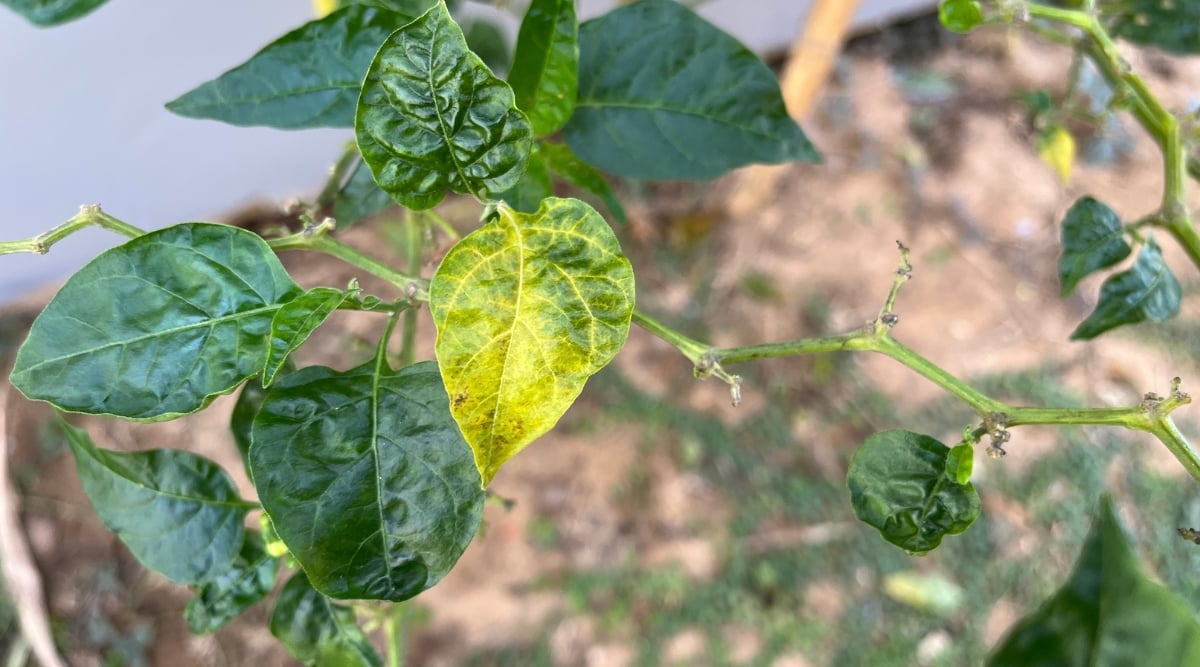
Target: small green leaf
x,y
527,307
663,94
157,327
1109,613
960,463
1147,291
248,580
563,162
1092,239
432,116
1169,25
360,197
899,485
366,478
46,13
310,77
295,322
178,513
527,195
545,71
960,15
318,632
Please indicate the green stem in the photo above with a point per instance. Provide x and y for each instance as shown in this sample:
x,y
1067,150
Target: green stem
x,y
88,216
337,175
409,339
314,239
692,349
1166,431
393,633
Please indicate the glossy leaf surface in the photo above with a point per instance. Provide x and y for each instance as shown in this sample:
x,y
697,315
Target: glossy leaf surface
x,y
249,578
47,13
318,632
1109,613
563,162
157,327
527,195
663,94
366,478
527,307
310,77
432,116
545,70
1147,291
178,513
899,484
1092,239
295,322
1172,25
359,198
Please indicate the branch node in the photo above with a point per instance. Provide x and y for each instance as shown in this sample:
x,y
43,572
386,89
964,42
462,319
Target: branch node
x,y
710,366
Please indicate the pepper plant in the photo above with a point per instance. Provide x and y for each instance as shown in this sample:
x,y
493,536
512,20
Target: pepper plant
x,y
371,482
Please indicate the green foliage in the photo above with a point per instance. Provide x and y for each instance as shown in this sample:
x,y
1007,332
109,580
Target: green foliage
x,y
318,632
1092,239
902,484
310,77
295,322
1109,613
47,13
197,329
700,105
527,308
1172,25
544,71
1147,291
432,116
360,197
565,164
960,15
249,578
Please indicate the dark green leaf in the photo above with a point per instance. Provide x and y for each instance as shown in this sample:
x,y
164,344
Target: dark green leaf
x,y
47,13
295,322
1092,239
663,94
545,69
366,478
960,15
1172,25
899,484
527,195
1147,291
488,42
562,161
250,399
318,632
1109,613
248,580
157,327
359,198
432,116
178,513
310,77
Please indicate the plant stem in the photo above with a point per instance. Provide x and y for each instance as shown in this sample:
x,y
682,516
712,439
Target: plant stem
x,y
337,175
314,239
393,633
88,216
413,247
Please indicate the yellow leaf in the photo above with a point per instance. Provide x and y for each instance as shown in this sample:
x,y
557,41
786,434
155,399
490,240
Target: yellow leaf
x,y
1057,149
323,7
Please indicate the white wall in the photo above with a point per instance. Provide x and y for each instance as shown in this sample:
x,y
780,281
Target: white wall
x,y
81,117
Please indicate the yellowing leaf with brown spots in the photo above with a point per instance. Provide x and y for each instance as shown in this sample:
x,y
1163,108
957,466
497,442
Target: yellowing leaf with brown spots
x,y
527,308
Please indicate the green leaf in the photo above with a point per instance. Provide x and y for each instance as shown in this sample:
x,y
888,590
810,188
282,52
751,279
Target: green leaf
x,y
361,197
412,8
1109,613
1147,291
527,195
545,71
295,322
157,327
250,399
1092,239
960,15
432,116
178,513
663,94
310,77
318,632
248,580
562,161
488,42
1171,25
366,478
899,484
960,463
527,307
46,13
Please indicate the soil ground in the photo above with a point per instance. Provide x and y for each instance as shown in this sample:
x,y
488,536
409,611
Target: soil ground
x,y
660,525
